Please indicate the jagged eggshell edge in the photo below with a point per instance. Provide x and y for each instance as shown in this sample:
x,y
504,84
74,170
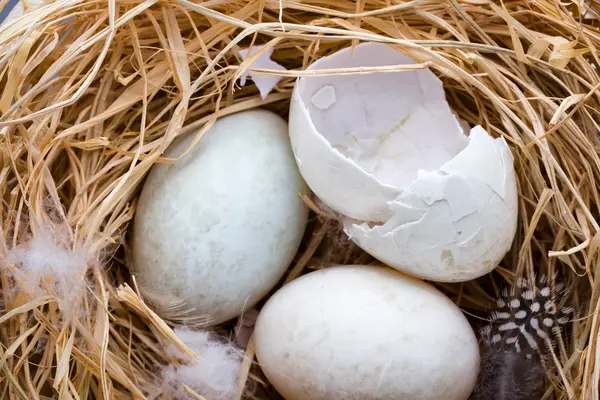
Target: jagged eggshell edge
x,y
451,225
337,180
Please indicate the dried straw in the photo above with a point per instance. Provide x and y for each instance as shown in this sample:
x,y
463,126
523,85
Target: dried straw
x,y
94,91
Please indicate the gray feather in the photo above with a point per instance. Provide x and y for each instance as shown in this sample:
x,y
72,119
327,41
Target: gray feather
x,y
515,344
507,375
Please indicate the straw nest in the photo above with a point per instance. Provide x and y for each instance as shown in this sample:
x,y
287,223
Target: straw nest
x,y
94,91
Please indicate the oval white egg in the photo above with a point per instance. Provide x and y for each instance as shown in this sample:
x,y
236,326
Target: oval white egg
x,y
361,332
385,150
216,230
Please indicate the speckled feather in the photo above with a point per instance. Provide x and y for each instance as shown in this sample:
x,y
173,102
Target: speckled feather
x,y
515,342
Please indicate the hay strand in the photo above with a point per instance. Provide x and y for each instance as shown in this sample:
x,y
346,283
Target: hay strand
x,y
95,91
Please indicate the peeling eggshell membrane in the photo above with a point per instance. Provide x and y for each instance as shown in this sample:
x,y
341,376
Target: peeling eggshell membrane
x,y
386,151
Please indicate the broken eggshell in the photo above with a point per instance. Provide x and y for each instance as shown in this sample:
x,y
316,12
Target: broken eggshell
x,y
264,82
385,150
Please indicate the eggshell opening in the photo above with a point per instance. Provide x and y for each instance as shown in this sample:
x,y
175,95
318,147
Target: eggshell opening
x,y
382,127
386,151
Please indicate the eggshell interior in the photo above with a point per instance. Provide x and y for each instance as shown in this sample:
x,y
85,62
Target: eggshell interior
x,y
386,151
388,125
217,229
454,224
391,125
358,332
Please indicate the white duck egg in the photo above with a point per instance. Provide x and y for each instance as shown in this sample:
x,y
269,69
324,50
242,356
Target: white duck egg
x,y
362,332
385,150
215,230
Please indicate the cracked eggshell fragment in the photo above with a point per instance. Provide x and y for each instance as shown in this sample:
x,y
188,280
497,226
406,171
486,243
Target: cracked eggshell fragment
x,y
453,224
264,82
359,139
386,151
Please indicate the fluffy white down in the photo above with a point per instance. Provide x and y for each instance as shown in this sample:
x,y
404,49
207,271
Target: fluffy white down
x,y
49,264
214,376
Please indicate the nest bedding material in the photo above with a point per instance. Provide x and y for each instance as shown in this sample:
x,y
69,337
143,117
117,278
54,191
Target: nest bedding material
x,y
94,91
